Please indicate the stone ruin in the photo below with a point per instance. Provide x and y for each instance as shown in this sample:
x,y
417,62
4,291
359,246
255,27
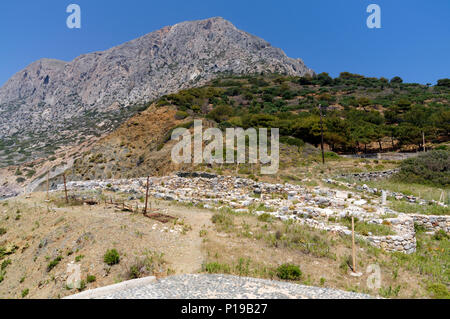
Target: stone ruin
x,y
319,208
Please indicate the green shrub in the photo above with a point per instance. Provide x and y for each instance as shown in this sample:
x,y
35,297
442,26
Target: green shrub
x,y
82,285
30,173
181,115
53,263
428,168
291,141
439,291
389,291
162,102
265,217
444,82
222,219
5,264
2,231
418,228
25,292
90,278
111,257
221,113
397,79
153,263
289,272
440,235
134,272
331,155
215,268
2,252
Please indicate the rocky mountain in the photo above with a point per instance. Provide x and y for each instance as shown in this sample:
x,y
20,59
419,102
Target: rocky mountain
x,y
52,103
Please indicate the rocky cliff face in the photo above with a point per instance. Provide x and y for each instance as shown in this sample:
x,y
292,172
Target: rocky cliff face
x,y
53,102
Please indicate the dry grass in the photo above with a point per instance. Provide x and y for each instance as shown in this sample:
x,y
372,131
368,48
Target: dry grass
x,y
251,247
45,238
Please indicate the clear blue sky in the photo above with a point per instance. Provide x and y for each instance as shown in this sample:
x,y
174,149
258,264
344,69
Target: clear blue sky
x,y
329,35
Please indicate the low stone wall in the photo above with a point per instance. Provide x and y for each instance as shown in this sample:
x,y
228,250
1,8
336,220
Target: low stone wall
x,y
404,244
404,241
371,176
391,156
195,174
433,222
396,195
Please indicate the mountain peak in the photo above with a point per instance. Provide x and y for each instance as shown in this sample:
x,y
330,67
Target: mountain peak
x,y
47,95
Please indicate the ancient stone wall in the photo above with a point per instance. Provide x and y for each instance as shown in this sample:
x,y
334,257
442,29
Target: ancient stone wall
x,y
404,241
433,222
370,176
319,208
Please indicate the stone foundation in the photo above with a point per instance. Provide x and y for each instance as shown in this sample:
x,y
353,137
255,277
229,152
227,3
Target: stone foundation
x,y
404,241
371,176
433,222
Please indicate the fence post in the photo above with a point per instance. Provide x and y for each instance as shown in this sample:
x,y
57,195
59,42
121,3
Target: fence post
x,y
65,189
146,196
353,244
48,184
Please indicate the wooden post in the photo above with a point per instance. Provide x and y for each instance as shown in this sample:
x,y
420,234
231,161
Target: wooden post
x,y
146,196
321,132
65,189
353,244
48,184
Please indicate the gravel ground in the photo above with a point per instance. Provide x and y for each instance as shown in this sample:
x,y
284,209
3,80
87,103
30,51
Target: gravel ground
x,y
229,287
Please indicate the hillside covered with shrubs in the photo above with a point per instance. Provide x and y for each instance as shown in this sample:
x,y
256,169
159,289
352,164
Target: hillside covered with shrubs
x,y
360,114
432,168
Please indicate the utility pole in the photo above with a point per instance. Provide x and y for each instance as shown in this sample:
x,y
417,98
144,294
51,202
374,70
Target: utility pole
x,y
423,141
321,132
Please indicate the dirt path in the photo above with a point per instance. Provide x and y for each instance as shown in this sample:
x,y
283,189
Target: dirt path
x,y
187,255
42,232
